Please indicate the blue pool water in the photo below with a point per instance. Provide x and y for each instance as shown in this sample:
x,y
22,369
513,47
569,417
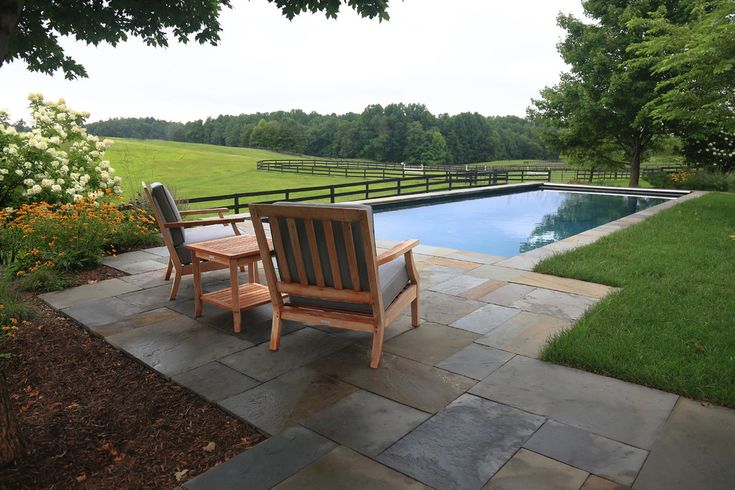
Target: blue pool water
x,y
506,224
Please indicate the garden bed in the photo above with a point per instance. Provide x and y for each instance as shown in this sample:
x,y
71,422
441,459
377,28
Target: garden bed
x,y
671,326
97,419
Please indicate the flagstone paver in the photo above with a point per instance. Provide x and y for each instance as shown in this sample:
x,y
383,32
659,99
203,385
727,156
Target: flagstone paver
x,y
103,311
366,422
463,445
136,321
476,361
288,399
496,272
590,452
297,348
453,263
215,381
485,319
267,464
343,468
152,279
528,470
430,343
622,411
409,382
566,306
88,292
523,262
594,482
506,295
564,284
525,333
695,450
136,262
483,289
457,285
176,345
445,309
477,257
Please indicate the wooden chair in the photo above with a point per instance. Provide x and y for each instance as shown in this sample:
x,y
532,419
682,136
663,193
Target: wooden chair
x,y
177,233
328,267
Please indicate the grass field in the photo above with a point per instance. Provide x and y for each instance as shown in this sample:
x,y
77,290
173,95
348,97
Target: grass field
x,y
671,326
195,170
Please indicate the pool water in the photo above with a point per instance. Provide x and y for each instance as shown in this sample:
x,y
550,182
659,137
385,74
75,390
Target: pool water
x,y
506,224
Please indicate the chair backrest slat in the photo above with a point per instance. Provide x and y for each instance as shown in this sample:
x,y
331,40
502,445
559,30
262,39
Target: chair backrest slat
x,y
351,255
316,261
332,251
283,267
297,253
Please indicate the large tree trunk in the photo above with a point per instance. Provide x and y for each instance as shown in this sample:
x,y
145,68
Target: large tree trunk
x,y
12,445
635,164
9,13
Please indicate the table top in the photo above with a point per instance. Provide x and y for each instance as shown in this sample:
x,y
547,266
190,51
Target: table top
x,y
234,247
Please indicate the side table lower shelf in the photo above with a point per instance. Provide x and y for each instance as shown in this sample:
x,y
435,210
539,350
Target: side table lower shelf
x,y
250,294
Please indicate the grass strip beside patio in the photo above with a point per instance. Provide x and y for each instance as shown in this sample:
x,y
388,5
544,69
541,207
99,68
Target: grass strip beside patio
x,y
672,326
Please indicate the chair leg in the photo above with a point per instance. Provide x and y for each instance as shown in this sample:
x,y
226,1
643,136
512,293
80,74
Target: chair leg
x,y
376,353
169,268
415,320
175,286
276,330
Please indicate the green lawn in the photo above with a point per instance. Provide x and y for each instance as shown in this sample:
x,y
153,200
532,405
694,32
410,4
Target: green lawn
x,y
672,326
195,170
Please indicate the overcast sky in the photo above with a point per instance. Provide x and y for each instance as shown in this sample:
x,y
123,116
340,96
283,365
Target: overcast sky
x,y
486,56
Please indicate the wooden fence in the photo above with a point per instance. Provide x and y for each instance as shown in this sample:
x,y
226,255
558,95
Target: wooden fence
x,y
373,188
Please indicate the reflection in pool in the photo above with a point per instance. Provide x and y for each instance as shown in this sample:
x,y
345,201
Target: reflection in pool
x,y
506,224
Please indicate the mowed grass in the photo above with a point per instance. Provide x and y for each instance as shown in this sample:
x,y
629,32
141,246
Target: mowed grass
x,y
672,326
196,170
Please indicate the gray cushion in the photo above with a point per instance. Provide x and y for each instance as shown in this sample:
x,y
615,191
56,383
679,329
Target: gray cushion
x,y
201,234
322,249
167,206
393,277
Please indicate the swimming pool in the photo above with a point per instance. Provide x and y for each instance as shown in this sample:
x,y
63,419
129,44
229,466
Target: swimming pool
x,y
504,224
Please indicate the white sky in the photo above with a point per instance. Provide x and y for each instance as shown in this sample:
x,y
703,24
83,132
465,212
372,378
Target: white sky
x,y
486,56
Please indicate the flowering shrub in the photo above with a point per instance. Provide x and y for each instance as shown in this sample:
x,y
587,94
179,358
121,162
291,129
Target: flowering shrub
x,y
71,236
715,152
702,180
55,162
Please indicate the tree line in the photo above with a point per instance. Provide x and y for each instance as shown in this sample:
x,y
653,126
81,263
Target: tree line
x,y
394,133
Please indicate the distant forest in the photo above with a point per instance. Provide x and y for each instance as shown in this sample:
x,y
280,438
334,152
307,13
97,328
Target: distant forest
x,y
394,133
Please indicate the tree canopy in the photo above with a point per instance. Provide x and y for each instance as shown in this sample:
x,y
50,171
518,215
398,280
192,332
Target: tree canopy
x,y
394,133
30,30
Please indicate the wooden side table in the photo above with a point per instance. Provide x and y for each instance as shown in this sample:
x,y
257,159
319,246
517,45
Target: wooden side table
x,y
234,252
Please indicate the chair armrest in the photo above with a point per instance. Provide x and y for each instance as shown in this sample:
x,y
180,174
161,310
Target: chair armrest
x,y
205,211
397,250
203,222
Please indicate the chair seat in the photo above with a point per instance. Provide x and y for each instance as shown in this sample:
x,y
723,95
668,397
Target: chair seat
x,y
393,277
202,234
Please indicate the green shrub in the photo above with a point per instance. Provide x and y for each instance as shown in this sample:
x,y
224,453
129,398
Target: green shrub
x,y
698,181
14,312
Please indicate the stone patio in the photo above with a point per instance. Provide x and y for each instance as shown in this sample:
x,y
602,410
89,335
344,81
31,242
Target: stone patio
x,y
460,402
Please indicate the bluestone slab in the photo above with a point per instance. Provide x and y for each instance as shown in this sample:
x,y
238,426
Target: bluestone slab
x,y
88,292
288,399
343,468
430,343
566,306
215,381
136,321
525,333
590,452
531,471
696,450
628,413
463,445
444,308
476,361
365,422
485,319
267,464
297,348
103,311
409,382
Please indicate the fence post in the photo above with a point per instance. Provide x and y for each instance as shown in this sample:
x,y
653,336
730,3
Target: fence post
x,y
398,186
548,176
287,194
450,181
331,194
237,204
367,190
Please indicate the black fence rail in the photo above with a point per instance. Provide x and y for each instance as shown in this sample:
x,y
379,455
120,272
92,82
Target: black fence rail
x,y
372,188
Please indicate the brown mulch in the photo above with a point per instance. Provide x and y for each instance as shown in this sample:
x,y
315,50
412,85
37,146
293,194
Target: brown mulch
x,y
95,418
99,273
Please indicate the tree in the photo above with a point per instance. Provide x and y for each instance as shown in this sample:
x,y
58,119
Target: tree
x,y
30,30
696,98
599,113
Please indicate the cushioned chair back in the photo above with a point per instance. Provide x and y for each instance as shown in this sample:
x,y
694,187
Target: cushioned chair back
x,y
322,245
168,211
